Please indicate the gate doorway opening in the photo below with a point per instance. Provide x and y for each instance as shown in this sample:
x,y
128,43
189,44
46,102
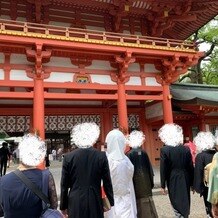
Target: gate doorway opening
x,y
56,139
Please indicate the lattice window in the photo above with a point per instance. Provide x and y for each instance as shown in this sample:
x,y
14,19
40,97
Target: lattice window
x,y
21,123
46,123
52,122
115,121
15,123
11,124
133,121
27,126
77,119
67,122
3,123
61,123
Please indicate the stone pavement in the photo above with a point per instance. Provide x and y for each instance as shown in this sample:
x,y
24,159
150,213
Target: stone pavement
x,y
162,203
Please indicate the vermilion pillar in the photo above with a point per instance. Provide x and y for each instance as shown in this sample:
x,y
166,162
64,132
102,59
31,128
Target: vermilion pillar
x,y
38,76
122,106
167,106
202,122
38,107
123,77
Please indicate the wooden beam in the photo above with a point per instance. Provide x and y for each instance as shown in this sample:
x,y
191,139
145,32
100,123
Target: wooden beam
x,y
73,85
16,95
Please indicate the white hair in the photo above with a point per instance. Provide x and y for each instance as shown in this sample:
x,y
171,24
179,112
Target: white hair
x,y
171,134
32,150
136,139
85,135
204,141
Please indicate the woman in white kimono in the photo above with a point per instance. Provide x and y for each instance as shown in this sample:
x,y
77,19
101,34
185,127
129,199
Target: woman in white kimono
x,y
121,170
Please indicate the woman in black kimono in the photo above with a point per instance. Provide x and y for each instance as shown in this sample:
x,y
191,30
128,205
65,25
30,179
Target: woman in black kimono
x,y
143,178
205,143
176,169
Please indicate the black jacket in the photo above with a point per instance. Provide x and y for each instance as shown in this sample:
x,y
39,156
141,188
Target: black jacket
x,y
177,171
201,160
82,172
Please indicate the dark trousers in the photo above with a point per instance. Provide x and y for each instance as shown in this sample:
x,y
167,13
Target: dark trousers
x,y
3,166
207,204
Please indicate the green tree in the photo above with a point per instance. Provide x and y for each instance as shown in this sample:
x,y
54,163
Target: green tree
x,y
206,70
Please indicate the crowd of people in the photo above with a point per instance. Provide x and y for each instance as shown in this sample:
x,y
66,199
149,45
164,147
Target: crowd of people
x,y
124,176
180,174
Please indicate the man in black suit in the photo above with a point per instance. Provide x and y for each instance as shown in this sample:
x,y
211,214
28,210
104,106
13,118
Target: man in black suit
x,y
176,168
82,172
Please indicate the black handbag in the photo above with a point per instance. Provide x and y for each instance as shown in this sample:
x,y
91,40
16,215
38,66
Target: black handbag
x,y
47,211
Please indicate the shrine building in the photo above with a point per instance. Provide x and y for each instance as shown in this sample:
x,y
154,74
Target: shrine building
x,y
112,62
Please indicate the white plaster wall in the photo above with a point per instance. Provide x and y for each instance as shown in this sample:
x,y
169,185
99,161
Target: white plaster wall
x,y
149,68
57,90
126,32
22,102
19,59
138,33
19,75
102,79
20,89
133,103
72,103
4,89
60,77
100,65
95,28
2,58
23,19
5,17
59,62
134,67
151,81
2,76
134,81
212,114
154,110
61,24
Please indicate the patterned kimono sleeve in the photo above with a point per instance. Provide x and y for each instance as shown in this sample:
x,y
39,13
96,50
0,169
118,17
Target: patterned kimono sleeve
x,y
52,194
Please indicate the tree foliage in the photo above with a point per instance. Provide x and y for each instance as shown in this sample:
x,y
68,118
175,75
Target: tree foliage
x,y
206,70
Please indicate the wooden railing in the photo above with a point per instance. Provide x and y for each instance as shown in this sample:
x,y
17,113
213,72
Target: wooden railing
x,y
90,36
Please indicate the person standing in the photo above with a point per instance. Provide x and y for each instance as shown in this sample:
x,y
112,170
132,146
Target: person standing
x,y
15,197
143,178
83,170
60,153
192,148
122,171
176,168
4,157
54,154
213,186
205,143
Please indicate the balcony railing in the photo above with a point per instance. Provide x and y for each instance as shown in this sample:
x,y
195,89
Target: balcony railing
x,y
19,28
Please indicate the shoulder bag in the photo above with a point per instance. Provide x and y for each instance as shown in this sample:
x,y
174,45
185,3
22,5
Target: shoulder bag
x,y
47,211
